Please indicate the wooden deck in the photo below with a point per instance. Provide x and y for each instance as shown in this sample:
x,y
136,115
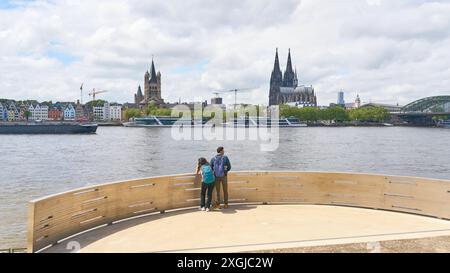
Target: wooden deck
x,y
54,218
256,228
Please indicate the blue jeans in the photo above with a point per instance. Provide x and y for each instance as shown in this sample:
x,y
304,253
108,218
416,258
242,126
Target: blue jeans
x,y
207,189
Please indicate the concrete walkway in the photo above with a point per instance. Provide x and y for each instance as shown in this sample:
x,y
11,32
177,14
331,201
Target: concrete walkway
x,y
253,228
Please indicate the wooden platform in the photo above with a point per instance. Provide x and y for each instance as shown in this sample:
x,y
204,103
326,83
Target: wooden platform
x,y
256,228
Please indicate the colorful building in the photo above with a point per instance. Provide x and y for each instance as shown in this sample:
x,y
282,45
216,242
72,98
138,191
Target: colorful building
x,y
13,113
55,113
69,112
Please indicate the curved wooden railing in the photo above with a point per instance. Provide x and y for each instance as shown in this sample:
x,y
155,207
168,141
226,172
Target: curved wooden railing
x,y
59,216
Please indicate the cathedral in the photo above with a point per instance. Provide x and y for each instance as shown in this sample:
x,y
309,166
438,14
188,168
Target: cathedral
x,y
152,88
284,89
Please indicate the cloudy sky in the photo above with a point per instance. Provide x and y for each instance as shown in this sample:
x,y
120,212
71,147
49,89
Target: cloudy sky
x,y
389,51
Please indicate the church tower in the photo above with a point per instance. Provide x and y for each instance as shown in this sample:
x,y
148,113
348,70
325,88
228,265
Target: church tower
x,y
276,81
289,75
138,97
146,85
152,86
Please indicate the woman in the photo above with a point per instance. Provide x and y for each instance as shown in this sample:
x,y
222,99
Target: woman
x,y
208,180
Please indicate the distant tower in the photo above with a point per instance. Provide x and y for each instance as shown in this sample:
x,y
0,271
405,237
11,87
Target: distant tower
x,y
357,102
276,81
152,85
295,78
341,100
289,75
138,97
158,81
146,85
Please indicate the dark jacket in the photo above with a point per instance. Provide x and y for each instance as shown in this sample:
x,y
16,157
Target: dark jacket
x,y
226,163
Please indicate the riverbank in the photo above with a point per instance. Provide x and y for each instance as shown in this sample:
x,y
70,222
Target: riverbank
x,y
368,124
110,124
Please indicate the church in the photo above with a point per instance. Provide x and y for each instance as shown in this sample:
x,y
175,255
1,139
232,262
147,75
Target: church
x,y
152,89
284,88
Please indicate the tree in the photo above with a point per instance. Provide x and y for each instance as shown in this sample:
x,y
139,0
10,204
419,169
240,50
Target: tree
x,y
153,110
95,103
132,113
369,114
27,114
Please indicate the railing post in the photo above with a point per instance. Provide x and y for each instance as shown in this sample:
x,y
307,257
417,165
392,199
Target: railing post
x,y
30,228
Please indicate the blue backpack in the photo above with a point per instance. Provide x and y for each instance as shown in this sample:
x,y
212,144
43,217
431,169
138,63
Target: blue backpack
x,y
207,174
218,167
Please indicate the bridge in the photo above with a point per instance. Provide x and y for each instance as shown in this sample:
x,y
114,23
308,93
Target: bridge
x,y
421,112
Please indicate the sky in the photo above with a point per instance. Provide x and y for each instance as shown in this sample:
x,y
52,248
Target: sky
x,y
387,51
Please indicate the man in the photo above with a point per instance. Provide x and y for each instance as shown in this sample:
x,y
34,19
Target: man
x,y
221,166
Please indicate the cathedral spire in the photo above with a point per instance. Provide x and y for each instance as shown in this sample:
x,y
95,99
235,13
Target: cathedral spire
x,y
276,66
289,62
277,76
276,80
289,75
153,73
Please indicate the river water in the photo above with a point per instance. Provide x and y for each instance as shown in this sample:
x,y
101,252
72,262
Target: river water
x,y
33,166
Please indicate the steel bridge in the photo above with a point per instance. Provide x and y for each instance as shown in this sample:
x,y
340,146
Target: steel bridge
x,y
421,112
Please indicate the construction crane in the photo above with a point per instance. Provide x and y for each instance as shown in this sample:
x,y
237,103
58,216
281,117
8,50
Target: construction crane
x,y
94,93
241,90
81,91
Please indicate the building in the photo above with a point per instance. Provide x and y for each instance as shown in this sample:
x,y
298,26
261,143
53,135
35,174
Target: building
x,y
3,111
69,112
217,101
389,107
138,97
102,112
13,112
152,88
357,102
115,112
38,111
340,99
284,88
55,113
80,112
346,105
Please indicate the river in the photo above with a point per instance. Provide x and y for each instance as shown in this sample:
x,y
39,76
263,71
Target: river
x,y
33,166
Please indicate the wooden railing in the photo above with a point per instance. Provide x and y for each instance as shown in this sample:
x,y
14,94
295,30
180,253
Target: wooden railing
x,y
56,217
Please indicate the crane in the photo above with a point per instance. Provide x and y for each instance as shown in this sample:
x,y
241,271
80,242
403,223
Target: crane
x,y
81,91
94,92
241,90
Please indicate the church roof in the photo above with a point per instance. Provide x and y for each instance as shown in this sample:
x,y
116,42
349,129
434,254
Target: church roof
x,y
298,89
139,92
153,73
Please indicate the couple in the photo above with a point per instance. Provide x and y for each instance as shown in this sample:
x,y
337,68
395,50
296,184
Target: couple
x,y
214,175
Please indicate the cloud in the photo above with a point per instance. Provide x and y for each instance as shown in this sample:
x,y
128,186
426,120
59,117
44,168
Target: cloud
x,y
387,51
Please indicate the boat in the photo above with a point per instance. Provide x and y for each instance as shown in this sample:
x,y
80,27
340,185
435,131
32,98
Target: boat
x,y
248,122
47,128
157,121
445,124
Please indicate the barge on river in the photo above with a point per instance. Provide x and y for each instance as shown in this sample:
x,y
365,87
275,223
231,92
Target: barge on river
x,y
249,122
47,128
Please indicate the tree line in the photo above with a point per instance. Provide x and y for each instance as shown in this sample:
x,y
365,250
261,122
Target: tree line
x,y
335,114
306,114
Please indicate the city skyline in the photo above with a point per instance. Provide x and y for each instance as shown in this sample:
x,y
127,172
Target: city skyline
x,y
50,48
